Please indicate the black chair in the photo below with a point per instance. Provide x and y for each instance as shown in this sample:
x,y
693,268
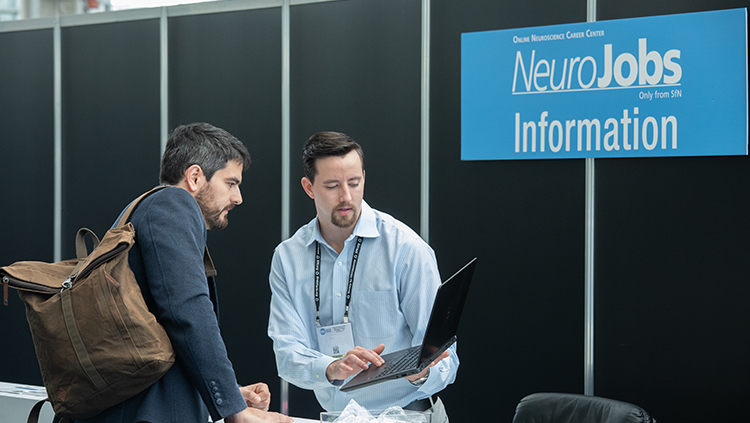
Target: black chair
x,y
572,408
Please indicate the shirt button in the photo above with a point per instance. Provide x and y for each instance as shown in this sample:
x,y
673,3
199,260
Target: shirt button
x,y
340,263
338,294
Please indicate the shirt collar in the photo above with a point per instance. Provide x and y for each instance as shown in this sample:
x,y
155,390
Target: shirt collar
x,y
366,226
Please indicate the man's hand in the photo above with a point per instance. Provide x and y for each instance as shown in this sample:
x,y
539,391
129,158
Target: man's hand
x,y
354,361
424,372
257,396
253,415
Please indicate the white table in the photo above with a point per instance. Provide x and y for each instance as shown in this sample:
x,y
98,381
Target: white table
x,y
17,399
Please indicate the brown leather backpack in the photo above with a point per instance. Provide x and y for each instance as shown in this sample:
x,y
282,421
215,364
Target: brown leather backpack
x,y
96,341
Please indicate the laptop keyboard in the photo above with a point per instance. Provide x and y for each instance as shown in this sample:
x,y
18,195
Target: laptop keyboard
x,y
407,361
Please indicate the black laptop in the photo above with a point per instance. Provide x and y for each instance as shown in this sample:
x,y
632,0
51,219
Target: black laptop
x,y
439,336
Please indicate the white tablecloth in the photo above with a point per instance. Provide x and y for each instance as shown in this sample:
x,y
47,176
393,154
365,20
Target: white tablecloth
x,y
17,399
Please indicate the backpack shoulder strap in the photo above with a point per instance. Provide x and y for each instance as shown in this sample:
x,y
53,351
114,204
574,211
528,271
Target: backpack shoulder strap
x,y
126,214
36,410
208,263
82,251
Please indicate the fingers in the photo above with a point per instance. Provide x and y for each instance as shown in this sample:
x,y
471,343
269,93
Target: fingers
x,y
359,357
424,373
276,417
257,395
249,395
354,361
263,396
261,403
261,388
344,367
372,356
444,355
251,415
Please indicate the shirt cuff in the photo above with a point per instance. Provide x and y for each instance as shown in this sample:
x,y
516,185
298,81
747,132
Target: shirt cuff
x,y
320,365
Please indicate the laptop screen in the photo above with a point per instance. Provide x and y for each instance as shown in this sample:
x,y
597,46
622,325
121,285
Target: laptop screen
x,y
446,313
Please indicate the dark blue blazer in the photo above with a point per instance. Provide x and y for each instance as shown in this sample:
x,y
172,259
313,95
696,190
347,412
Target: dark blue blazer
x,y
167,260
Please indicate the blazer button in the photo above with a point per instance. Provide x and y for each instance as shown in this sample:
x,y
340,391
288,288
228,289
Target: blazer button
x,y
212,383
219,401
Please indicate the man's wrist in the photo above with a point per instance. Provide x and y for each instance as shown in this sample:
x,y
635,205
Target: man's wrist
x,y
329,372
322,369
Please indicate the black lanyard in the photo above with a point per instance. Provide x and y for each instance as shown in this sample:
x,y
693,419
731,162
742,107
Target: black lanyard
x,y
355,257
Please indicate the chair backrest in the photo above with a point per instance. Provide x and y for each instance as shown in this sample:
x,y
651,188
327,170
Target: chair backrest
x,y
573,408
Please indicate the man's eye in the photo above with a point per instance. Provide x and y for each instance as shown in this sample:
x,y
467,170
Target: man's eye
x,y
331,186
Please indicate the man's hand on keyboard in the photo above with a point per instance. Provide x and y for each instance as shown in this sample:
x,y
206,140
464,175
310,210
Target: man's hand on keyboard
x,y
424,372
354,361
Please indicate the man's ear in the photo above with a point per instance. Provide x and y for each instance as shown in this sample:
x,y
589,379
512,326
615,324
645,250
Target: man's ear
x,y
194,179
307,186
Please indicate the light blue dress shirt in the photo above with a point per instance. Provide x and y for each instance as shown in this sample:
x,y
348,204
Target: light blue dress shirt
x,y
394,287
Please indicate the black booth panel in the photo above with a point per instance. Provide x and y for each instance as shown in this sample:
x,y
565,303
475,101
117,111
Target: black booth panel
x,y
523,326
672,265
27,150
355,69
225,69
26,145
110,127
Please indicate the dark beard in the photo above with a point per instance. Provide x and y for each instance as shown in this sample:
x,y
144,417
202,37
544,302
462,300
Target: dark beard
x,y
344,222
212,216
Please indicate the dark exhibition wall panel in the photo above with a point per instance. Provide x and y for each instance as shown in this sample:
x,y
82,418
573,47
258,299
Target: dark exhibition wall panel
x,y
110,103
225,69
672,265
672,261
26,147
355,69
523,327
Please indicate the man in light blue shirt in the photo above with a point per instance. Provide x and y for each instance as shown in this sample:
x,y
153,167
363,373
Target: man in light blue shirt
x,y
374,291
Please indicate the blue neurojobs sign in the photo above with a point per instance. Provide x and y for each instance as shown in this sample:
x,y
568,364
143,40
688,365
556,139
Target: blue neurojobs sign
x,y
648,87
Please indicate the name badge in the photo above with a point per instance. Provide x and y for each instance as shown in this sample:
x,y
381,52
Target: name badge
x,y
335,340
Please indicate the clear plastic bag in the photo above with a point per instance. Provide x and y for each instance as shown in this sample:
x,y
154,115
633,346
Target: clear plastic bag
x,y
355,413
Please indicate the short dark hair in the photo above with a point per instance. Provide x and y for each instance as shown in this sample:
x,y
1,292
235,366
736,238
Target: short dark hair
x,y
326,144
200,144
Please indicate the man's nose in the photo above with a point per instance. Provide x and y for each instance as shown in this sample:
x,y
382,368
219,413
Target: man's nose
x,y
346,194
236,198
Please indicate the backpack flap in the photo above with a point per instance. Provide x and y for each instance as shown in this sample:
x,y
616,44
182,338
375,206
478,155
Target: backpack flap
x,y
36,276
46,278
